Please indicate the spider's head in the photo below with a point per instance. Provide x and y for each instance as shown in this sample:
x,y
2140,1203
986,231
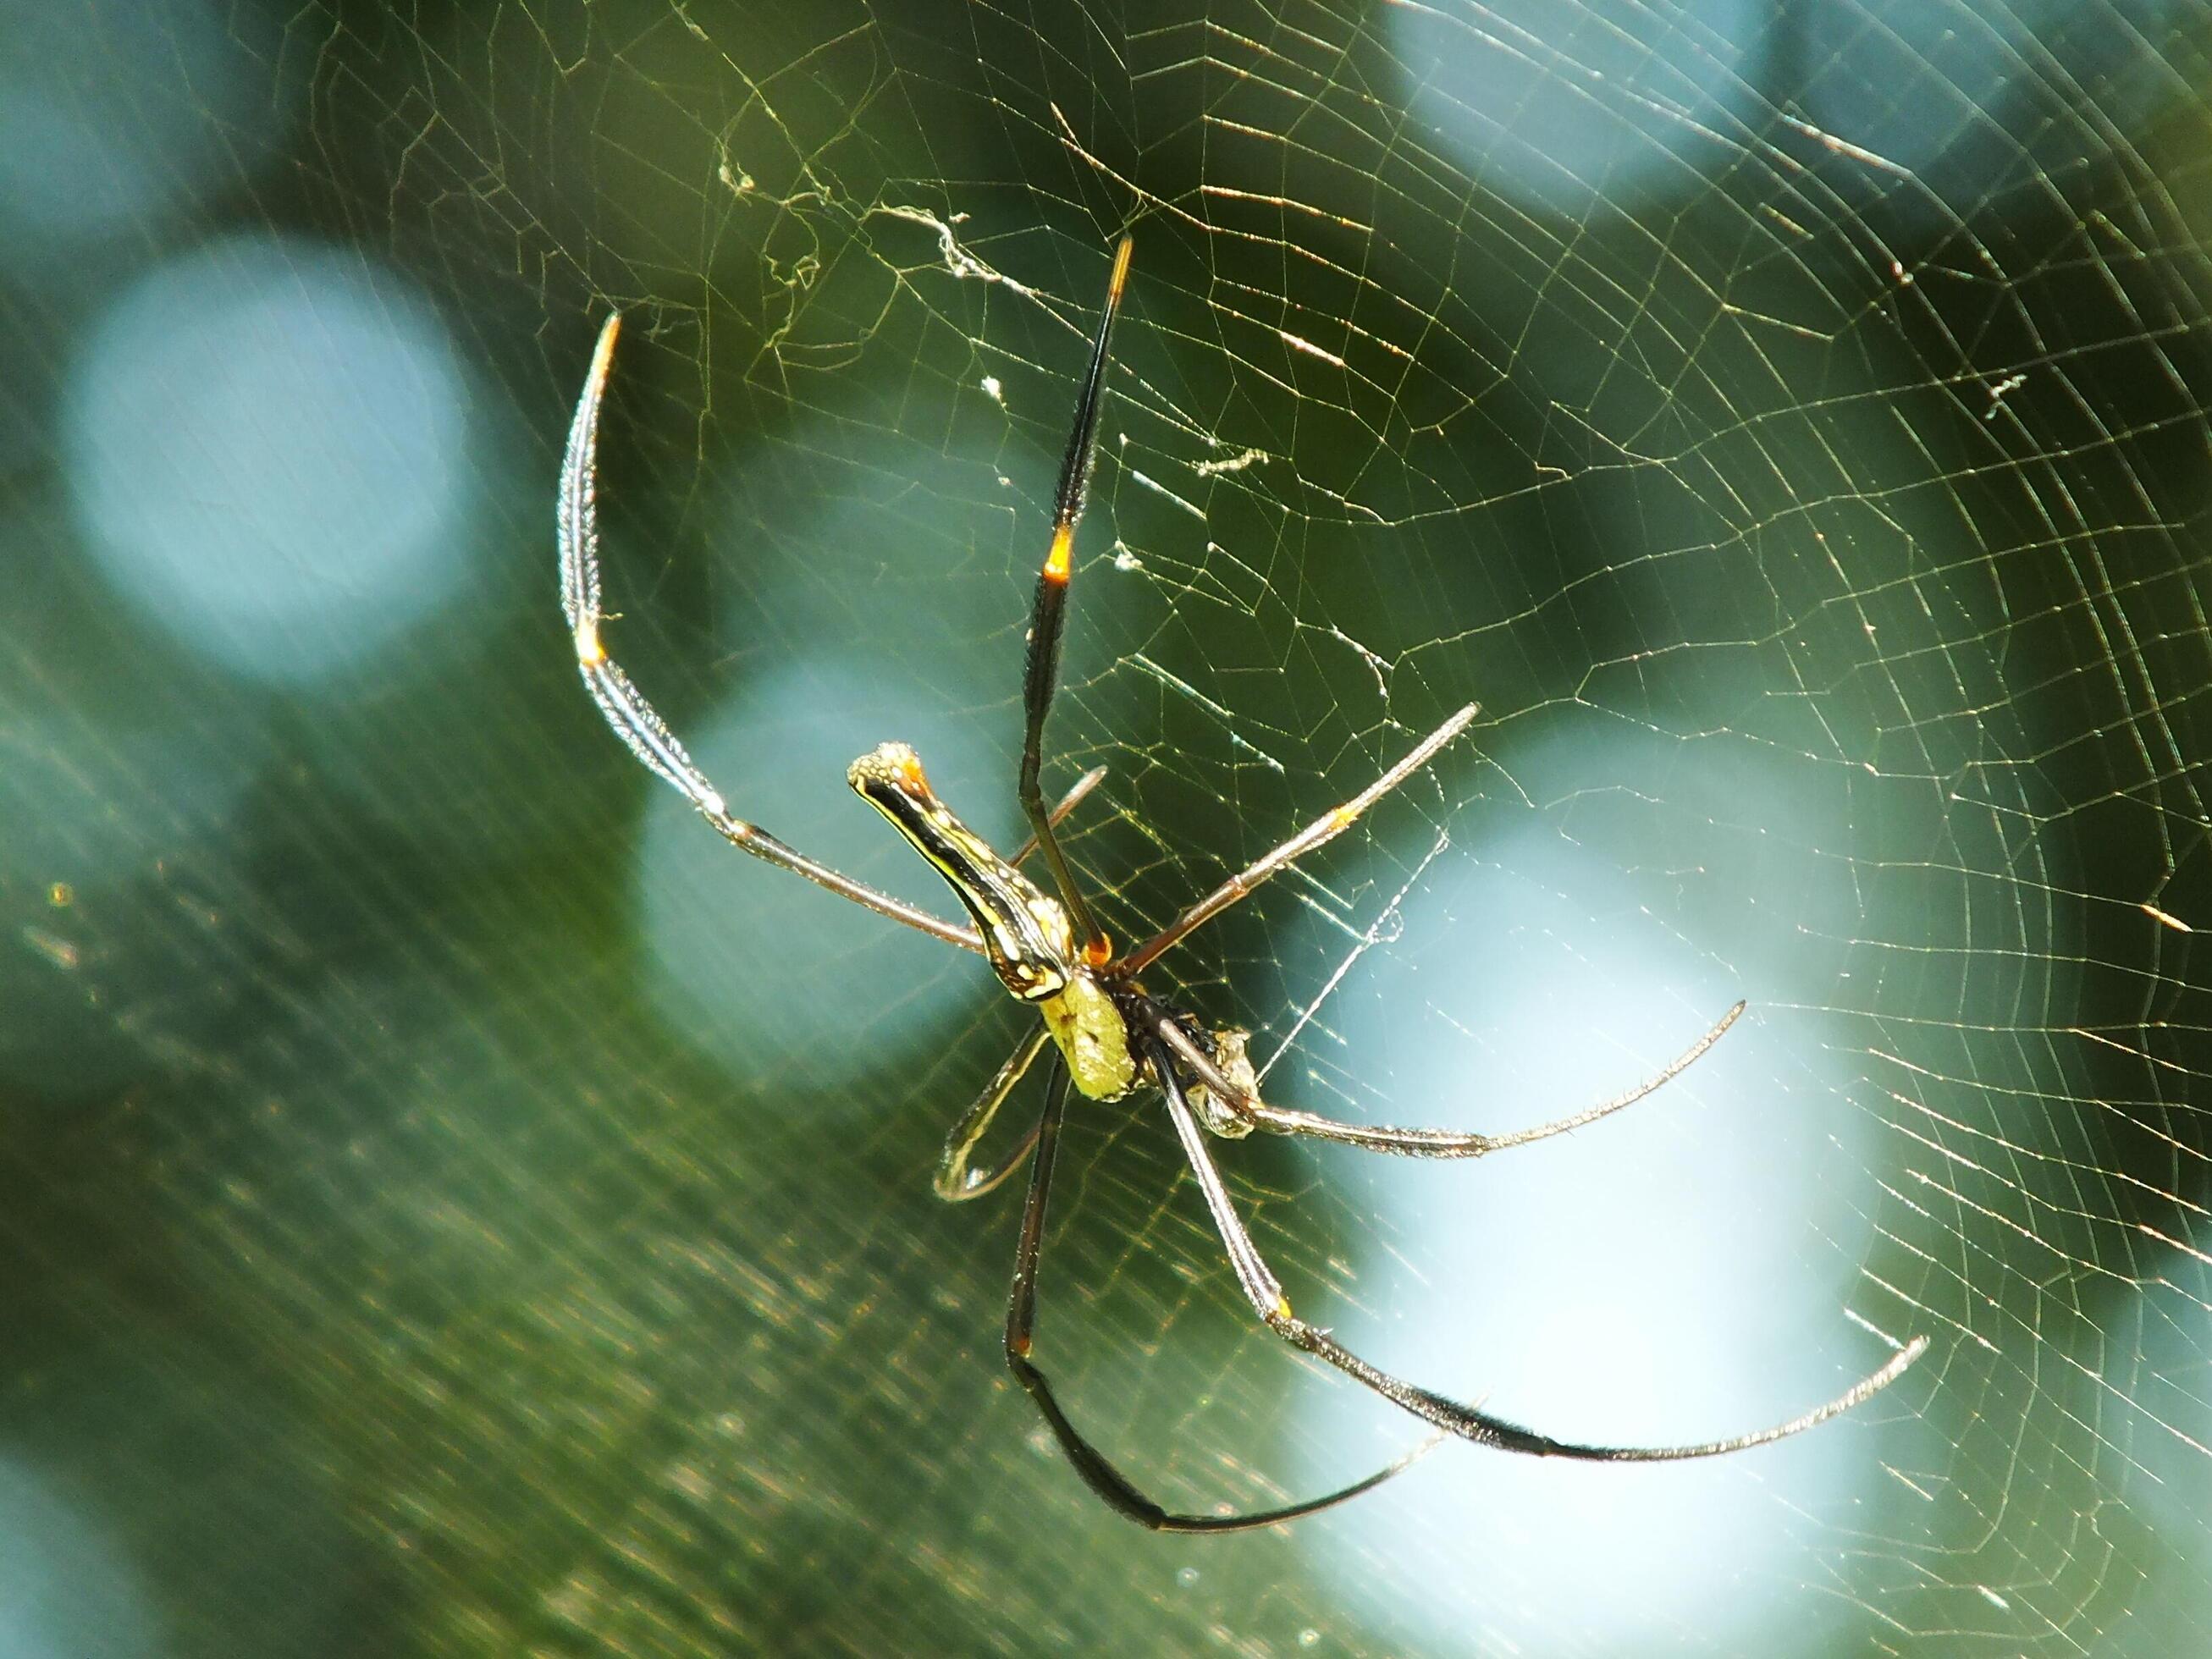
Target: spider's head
x,y
892,767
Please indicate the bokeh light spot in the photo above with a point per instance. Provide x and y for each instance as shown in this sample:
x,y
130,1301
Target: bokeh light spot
x,y
1653,1279
66,1591
114,112
1560,107
764,971
268,445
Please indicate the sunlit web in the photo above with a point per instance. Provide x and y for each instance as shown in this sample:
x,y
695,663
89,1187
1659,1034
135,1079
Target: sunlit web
x,y
453,1204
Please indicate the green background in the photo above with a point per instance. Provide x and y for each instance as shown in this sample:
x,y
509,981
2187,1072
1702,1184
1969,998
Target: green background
x,y
397,1256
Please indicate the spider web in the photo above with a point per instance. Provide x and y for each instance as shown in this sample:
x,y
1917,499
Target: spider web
x,y
454,1205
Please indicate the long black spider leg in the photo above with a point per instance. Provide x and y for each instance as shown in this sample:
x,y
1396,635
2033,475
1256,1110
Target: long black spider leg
x,y
1265,1292
1109,1483
956,1182
1042,673
1068,802
634,719
1409,1143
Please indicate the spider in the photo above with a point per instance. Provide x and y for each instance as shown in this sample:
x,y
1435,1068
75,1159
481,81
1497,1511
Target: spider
x,y
1112,1037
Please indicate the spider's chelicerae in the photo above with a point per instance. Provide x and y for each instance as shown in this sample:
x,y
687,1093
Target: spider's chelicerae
x,y
1111,1036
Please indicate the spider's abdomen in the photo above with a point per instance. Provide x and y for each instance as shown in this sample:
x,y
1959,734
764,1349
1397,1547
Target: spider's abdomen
x,y
1093,1038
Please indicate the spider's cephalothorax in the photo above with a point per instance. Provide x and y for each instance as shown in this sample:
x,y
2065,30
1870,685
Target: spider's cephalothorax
x,y
1111,1037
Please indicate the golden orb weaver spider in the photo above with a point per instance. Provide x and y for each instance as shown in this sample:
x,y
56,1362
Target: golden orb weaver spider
x,y
1112,1035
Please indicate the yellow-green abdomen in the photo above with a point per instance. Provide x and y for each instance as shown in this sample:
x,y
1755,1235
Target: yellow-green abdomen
x,y
1093,1037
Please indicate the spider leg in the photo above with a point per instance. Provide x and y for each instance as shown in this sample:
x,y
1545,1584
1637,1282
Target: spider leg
x,y
1106,1481
1321,831
954,1180
1265,1292
1411,1143
634,721
1068,802
1042,672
